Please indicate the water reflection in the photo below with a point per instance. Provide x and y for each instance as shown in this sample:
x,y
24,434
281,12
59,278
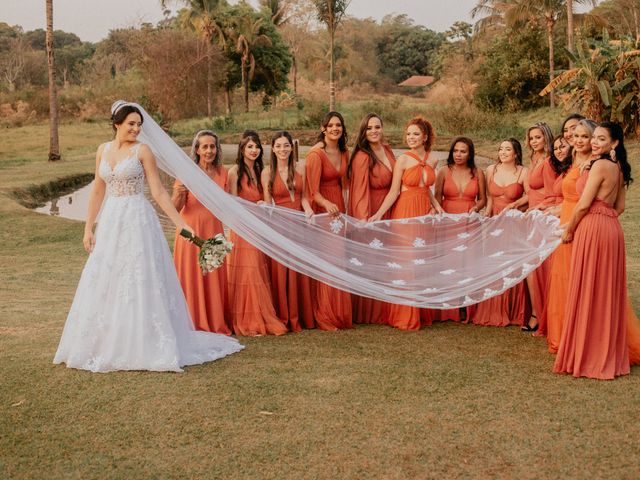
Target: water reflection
x,y
74,205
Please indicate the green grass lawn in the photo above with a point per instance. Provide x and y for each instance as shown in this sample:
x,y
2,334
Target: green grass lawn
x,y
450,401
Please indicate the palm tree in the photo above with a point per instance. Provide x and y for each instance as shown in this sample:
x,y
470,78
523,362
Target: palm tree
x,y
515,13
204,16
278,11
249,37
331,13
54,142
570,27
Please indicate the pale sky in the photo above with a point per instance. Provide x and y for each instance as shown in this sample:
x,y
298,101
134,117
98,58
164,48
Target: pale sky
x,y
92,19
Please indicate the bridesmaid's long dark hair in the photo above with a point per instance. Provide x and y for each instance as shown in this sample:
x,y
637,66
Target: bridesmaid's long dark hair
x,y
342,142
291,163
471,161
616,133
560,167
249,136
362,144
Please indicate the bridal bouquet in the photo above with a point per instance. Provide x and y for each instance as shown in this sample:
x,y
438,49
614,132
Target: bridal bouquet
x,y
212,251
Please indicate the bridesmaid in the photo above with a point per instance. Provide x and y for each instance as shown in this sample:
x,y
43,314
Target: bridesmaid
x,y
283,184
508,186
569,125
541,180
251,306
370,172
411,196
561,160
461,188
206,295
561,257
326,168
594,340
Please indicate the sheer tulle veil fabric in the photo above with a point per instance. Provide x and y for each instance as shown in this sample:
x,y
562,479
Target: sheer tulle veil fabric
x,y
439,261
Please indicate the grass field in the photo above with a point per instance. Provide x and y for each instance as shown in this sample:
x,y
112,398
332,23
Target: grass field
x,y
450,401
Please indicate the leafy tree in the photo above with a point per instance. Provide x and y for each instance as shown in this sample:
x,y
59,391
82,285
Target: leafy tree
x,y
204,16
407,49
331,13
513,70
248,39
519,13
604,82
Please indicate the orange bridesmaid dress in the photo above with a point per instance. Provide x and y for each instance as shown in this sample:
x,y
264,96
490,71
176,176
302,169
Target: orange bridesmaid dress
x,y
559,280
553,315
456,201
512,307
413,201
594,338
291,290
367,191
332,307
250,302
206,295
541,181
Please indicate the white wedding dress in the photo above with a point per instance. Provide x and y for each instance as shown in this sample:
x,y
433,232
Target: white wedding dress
x,y
129,312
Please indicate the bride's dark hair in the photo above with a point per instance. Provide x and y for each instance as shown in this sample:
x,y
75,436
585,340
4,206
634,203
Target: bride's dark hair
x,y
121,114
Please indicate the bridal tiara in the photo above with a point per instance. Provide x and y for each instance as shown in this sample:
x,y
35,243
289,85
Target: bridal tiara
x,y
117,105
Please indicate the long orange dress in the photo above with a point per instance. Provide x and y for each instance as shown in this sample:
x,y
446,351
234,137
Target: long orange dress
x,y
512,307
541,180
553,315
456,201
594,338
367,191
206,295
559,280
291,290
332,307
250,302
413,201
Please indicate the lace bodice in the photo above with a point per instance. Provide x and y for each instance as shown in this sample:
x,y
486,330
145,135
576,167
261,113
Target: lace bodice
x,y
127,178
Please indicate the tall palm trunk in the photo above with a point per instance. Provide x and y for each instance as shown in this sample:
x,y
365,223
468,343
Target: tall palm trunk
x,y
245,84
294,74
332,82
54,143
209,76
552,67
570,28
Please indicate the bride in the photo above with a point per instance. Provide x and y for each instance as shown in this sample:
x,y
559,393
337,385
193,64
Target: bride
x,y
129,312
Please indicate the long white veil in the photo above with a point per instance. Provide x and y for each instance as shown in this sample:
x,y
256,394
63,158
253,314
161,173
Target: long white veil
x,y
431,261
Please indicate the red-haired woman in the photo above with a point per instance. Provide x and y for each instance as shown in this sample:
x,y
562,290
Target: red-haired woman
x,y
326,167
370,173
507,188
410,195
283,184
206,295
460,188
251,306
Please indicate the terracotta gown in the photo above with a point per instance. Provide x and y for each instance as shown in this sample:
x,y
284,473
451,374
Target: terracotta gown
x,y
456,201
512,307
291,290
206,295
413,201
594,337
250,301
541,181
559,280
367,190
332,307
